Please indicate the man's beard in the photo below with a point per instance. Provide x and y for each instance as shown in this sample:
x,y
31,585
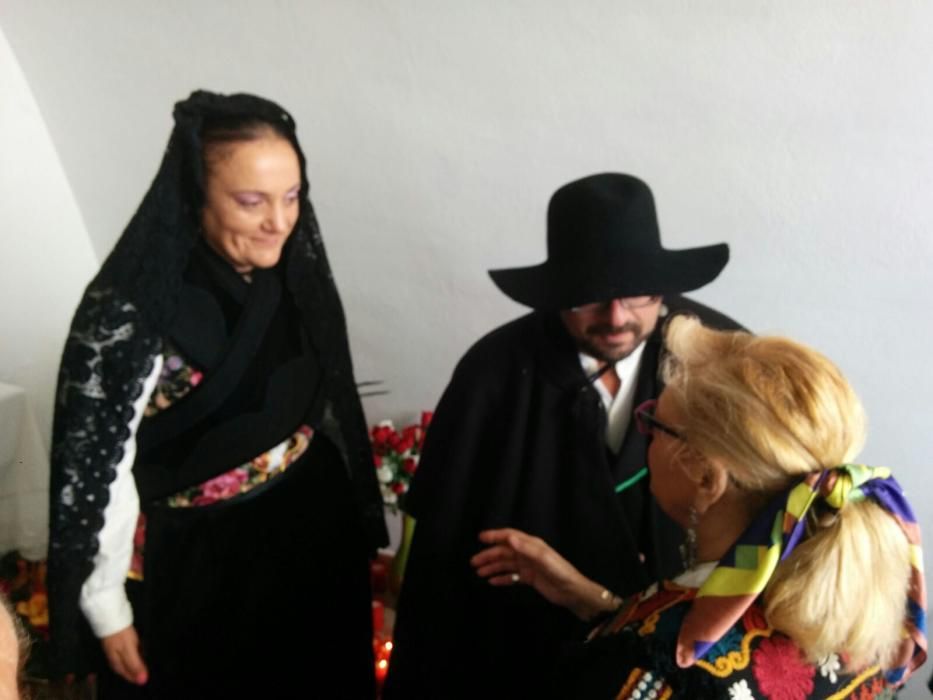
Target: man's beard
x,y
592,350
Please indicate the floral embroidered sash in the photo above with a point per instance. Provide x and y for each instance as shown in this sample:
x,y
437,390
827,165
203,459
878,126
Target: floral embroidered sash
x,y
236,482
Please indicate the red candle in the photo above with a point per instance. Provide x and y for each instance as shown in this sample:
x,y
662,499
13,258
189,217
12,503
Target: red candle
x,y
379,576
383,654
382,669
379,617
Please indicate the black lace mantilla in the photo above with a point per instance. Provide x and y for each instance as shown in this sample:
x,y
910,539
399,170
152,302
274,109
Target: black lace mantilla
x,y
108,356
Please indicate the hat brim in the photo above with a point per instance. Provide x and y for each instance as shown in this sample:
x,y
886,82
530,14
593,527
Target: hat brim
x,y
551,286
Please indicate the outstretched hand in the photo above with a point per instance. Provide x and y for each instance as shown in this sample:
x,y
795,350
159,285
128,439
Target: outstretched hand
x,y
123,655
514,557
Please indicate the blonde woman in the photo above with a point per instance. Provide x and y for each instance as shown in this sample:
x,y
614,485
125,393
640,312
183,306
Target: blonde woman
x,y
800,577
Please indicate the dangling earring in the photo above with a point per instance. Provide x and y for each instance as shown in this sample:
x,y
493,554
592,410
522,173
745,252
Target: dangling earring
x,y
688,550
663,310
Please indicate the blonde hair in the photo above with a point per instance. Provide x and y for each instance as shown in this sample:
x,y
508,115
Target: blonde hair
x,y
769,410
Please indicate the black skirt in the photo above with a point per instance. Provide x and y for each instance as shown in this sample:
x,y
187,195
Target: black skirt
x,y
265,595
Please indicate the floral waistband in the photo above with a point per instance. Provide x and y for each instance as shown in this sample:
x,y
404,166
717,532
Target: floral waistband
x,y
236,482
247,476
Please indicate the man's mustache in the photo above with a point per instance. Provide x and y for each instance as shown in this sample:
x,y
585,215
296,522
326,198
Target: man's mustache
x,y
607,329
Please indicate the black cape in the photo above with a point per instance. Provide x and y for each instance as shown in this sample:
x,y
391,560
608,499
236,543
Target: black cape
x,y
518,440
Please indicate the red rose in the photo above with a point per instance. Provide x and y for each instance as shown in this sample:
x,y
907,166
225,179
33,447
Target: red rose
x,y
377,460
426,417
399,488
381,435
409,465
405,443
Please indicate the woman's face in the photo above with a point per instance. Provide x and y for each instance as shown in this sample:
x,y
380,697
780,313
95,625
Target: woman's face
x,y
668,462
9,655
251,200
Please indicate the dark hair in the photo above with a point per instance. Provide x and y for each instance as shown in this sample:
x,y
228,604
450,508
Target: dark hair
x,y
222,130
229,128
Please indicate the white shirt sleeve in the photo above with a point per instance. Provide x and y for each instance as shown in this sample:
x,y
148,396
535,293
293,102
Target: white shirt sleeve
x,y
103,597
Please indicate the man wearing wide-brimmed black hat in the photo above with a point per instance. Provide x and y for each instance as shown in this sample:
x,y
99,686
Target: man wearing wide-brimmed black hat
x,y
533,432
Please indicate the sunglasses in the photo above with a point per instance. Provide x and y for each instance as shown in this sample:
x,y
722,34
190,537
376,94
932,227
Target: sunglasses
x,y
647,423
629,303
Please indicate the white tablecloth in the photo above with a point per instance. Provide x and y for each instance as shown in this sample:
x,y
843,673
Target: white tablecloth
x,y
24,477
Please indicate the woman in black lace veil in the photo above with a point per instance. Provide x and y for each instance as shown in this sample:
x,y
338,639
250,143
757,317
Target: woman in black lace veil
x,y
213,501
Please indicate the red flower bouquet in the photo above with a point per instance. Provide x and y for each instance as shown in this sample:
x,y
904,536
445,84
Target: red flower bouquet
x,y
396,454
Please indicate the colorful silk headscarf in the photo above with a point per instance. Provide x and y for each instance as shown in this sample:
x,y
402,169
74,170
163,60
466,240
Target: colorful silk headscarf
x,y
743,573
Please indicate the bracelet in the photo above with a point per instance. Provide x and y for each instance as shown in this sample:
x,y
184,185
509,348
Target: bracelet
x,y
614,601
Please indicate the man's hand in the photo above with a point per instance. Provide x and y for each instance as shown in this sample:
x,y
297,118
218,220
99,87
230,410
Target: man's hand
x,y
122,652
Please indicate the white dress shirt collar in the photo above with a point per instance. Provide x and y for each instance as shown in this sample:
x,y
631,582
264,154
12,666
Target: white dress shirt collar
x,y
619,407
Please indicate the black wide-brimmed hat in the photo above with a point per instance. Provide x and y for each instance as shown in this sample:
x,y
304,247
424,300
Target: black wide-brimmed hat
x,y
603,243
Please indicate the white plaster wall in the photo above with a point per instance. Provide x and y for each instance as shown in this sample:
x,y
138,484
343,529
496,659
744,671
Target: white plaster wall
x,y
798,131
46,260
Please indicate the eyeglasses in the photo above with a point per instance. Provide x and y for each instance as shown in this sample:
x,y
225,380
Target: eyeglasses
x,y
629,303
647,423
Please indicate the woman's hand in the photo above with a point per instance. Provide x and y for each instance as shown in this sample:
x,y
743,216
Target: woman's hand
x,y
122,652
516,557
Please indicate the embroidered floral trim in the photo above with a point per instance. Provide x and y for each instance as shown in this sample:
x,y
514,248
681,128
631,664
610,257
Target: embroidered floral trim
x,y
731,660
139,541
236,482
740,691
751,661
175,381
671,596
849,691
646,608
644,685
248,476
617,620
780,670
876,690
829,667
